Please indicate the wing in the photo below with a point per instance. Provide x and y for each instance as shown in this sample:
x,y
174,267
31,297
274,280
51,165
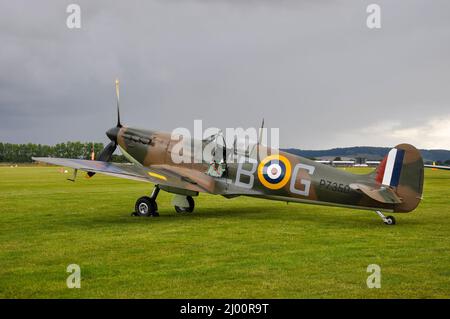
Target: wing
x,y
157,175
437,166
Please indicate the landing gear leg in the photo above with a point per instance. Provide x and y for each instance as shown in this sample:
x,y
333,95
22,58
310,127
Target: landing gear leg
x,y
388,220
147,206
155,192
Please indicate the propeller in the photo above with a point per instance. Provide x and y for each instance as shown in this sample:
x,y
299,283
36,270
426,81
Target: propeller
x,y
106,154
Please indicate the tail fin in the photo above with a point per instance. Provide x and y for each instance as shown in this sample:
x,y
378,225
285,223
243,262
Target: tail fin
x,y
402,170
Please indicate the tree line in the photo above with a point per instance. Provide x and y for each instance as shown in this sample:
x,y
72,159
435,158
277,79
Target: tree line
x,y
22,153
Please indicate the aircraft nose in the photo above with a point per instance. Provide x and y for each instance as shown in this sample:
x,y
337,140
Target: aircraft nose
x,y
112,133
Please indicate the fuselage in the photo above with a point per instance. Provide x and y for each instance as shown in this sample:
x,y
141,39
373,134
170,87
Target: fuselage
x,y
277,176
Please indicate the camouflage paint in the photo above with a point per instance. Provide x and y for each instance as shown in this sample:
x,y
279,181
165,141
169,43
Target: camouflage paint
x,y
328,185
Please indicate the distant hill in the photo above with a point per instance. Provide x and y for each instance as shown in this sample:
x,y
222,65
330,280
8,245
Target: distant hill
x,y
368,152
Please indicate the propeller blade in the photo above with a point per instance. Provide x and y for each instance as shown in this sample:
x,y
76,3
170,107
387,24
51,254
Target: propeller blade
x,y
118,104
105,155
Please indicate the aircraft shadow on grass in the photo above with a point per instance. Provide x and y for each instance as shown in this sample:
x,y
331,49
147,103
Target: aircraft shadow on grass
x,y
351,220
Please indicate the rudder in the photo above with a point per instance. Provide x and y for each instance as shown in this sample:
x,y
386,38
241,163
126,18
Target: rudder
x,y
402,170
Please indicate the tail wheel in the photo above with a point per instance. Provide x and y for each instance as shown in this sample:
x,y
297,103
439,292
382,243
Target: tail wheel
x,y
390,220
189,209
145,206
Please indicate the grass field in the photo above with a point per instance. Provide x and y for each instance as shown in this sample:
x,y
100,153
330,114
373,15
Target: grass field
x,y
228,248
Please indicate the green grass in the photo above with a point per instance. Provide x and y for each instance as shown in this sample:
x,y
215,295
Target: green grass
x,y
229,248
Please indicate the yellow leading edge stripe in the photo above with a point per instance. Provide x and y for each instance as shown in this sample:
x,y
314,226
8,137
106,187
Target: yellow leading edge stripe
x,y
157,176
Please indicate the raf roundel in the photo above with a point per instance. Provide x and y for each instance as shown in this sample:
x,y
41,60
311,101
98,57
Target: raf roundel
x,y
274,171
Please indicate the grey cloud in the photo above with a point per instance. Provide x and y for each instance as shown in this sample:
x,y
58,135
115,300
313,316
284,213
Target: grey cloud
x,y
311,68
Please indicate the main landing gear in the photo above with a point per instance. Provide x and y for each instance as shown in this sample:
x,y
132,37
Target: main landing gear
x,y
388,220
147,206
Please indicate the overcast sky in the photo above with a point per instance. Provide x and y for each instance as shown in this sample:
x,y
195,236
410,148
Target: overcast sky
x,y
311,68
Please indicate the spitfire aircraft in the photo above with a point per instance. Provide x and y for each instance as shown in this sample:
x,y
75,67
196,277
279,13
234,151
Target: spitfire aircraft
x,y
395,186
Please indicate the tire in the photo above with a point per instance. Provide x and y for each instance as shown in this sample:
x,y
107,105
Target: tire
x,y
390,220
189,209
145,206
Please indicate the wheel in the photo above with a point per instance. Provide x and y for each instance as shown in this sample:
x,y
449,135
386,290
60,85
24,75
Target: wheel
x,y
145,206
390,220
189,209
